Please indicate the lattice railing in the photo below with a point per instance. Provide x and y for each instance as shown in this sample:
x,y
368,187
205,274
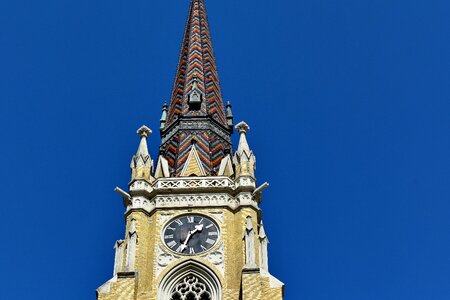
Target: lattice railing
x,y
183,183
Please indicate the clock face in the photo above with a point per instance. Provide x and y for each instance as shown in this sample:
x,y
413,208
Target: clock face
x,y
191,234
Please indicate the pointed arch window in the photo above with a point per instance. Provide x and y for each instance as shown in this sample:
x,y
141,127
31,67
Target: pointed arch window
x,y
191,288
190,281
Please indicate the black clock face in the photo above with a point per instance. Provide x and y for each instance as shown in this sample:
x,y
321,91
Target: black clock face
x,y
191,234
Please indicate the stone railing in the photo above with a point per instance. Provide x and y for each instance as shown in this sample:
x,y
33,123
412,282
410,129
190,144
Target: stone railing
x,y
197,182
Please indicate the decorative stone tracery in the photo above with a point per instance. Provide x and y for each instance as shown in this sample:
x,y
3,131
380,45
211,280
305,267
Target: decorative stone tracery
x,y
190,280
191,288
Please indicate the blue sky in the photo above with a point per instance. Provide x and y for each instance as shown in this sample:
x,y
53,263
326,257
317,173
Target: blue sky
x,y
348,105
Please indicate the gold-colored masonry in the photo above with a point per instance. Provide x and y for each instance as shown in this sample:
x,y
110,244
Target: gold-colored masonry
x,y
235,281
196,173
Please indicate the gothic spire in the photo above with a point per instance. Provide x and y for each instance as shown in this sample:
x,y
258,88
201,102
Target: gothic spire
x,y
196,89
196,114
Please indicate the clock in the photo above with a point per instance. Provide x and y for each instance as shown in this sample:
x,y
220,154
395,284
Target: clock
x,y
191,234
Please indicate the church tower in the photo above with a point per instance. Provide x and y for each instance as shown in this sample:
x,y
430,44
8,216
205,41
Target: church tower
x,y
193,224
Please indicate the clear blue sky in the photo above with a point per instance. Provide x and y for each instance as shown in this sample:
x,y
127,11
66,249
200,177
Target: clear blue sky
x,y
349,107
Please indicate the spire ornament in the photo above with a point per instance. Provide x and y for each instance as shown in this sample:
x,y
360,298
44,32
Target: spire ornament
x,y
244,159
141,163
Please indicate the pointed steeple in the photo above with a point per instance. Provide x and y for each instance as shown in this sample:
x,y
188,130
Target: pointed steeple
x,y
196,89
141,163
196,111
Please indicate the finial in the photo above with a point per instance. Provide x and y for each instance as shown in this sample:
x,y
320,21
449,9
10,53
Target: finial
x,y
142,164
244,158
242,127
144,131
229,112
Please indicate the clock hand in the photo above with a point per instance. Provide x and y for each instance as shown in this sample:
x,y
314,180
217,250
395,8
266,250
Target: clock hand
x,y
184,245
199,227
190,234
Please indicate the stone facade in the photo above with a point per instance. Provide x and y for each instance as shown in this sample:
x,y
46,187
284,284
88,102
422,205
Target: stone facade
x,y
227,259
197,175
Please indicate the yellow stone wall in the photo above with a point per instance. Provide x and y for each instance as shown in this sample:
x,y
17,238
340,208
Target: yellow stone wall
x,y
145,284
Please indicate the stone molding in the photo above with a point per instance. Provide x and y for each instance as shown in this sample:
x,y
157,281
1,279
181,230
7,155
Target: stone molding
x,y
182,192
192,200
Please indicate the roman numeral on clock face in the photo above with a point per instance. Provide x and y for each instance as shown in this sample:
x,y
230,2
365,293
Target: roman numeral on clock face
x,y
178,221
169,236
171,244
213,233
191,251
190,219
210,241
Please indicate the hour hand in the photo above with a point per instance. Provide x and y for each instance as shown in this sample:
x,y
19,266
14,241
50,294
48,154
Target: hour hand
x,y
198,228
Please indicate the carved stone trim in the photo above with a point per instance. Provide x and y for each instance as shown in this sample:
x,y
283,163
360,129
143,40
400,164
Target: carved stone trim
x,y
164,259
205,200
192,200
216,258
198,182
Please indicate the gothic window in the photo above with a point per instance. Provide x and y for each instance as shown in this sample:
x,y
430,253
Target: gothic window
x,y
190,281
191,288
